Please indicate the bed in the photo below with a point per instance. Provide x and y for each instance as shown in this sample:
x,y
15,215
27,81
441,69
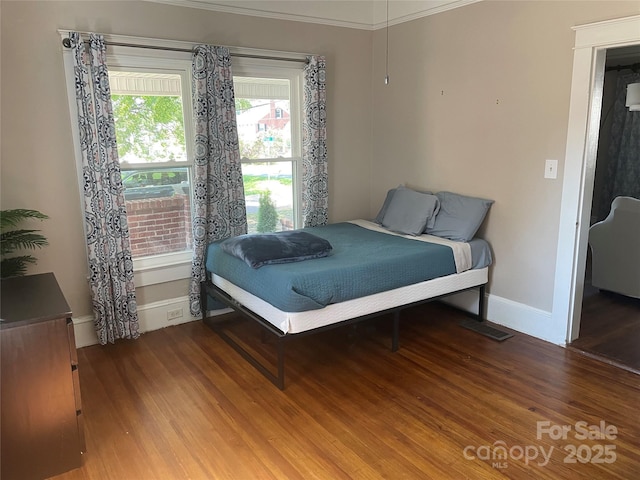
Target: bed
x,y
369,269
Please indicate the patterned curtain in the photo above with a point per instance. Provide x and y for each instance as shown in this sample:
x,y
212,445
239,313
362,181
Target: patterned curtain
x,y
315,196
218,192
618,171
108,247
623,172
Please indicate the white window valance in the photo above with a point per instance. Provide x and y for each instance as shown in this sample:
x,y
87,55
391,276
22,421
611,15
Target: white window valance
x,y
140,83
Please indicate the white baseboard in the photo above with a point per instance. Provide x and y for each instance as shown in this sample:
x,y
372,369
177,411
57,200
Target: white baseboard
x,y
84,331
516,316
152,316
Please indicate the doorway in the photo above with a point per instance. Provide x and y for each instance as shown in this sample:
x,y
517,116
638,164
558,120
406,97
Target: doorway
x,y
610,322
592,42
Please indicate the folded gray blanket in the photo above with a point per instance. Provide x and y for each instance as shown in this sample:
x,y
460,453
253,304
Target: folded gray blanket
x,y
272,248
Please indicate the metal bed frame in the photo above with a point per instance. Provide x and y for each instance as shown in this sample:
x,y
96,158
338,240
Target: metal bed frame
x,y
208,288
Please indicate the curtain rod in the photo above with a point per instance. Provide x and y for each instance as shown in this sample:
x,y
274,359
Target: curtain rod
x,y
66,42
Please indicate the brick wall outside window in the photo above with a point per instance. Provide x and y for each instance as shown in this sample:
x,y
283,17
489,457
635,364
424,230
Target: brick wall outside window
x,y
159,225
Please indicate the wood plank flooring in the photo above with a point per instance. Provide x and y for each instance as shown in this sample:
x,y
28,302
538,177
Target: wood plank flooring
x,y
180,404
610,328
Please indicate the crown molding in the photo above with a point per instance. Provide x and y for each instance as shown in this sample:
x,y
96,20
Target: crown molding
x,y
211,5
428,7
370,15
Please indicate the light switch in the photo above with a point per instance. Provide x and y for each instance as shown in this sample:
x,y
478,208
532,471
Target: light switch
x,y
551,169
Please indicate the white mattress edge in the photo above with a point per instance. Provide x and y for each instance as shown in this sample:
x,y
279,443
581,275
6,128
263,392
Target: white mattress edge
x,y
297,322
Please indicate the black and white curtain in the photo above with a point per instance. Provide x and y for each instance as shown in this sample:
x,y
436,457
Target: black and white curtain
x,y
218,209
315,177
107,233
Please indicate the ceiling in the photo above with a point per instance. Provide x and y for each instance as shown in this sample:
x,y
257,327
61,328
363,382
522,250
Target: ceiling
x,y
363,14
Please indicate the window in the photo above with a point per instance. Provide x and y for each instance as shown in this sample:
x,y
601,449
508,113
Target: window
x,y
150,132
268,96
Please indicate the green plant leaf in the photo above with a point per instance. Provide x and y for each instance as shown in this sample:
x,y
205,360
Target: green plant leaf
x,y
267,214
12,240
11,218
15,266
21,239
148,126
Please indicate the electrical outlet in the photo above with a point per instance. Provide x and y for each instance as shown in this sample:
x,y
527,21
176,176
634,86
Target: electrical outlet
x,y
173,314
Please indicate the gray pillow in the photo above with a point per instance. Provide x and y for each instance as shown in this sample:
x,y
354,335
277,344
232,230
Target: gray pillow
x,y
409,211
459,217
385,205
387,201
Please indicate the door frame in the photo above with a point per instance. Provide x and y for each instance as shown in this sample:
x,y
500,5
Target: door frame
x,y
591,43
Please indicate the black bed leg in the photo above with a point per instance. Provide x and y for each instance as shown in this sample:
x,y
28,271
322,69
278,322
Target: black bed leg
x,y
480,317
396,331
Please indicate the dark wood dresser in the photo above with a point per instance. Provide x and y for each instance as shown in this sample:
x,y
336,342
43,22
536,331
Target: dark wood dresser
x,y
42,431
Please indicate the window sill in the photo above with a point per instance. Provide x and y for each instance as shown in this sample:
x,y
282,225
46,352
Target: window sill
x,y
162,268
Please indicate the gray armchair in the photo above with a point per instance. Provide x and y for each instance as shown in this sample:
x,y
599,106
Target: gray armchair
x,y
615,249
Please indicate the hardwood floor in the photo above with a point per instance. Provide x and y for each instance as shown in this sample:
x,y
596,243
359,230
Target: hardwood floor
x,y
610,328
180,404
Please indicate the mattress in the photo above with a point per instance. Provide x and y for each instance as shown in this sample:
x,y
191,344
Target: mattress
x,y
298,322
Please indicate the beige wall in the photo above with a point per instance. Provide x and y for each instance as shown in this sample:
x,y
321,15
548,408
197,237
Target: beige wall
x,y
478,99
38,167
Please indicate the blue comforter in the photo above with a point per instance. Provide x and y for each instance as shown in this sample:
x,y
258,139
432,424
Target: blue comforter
x,y
362,262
